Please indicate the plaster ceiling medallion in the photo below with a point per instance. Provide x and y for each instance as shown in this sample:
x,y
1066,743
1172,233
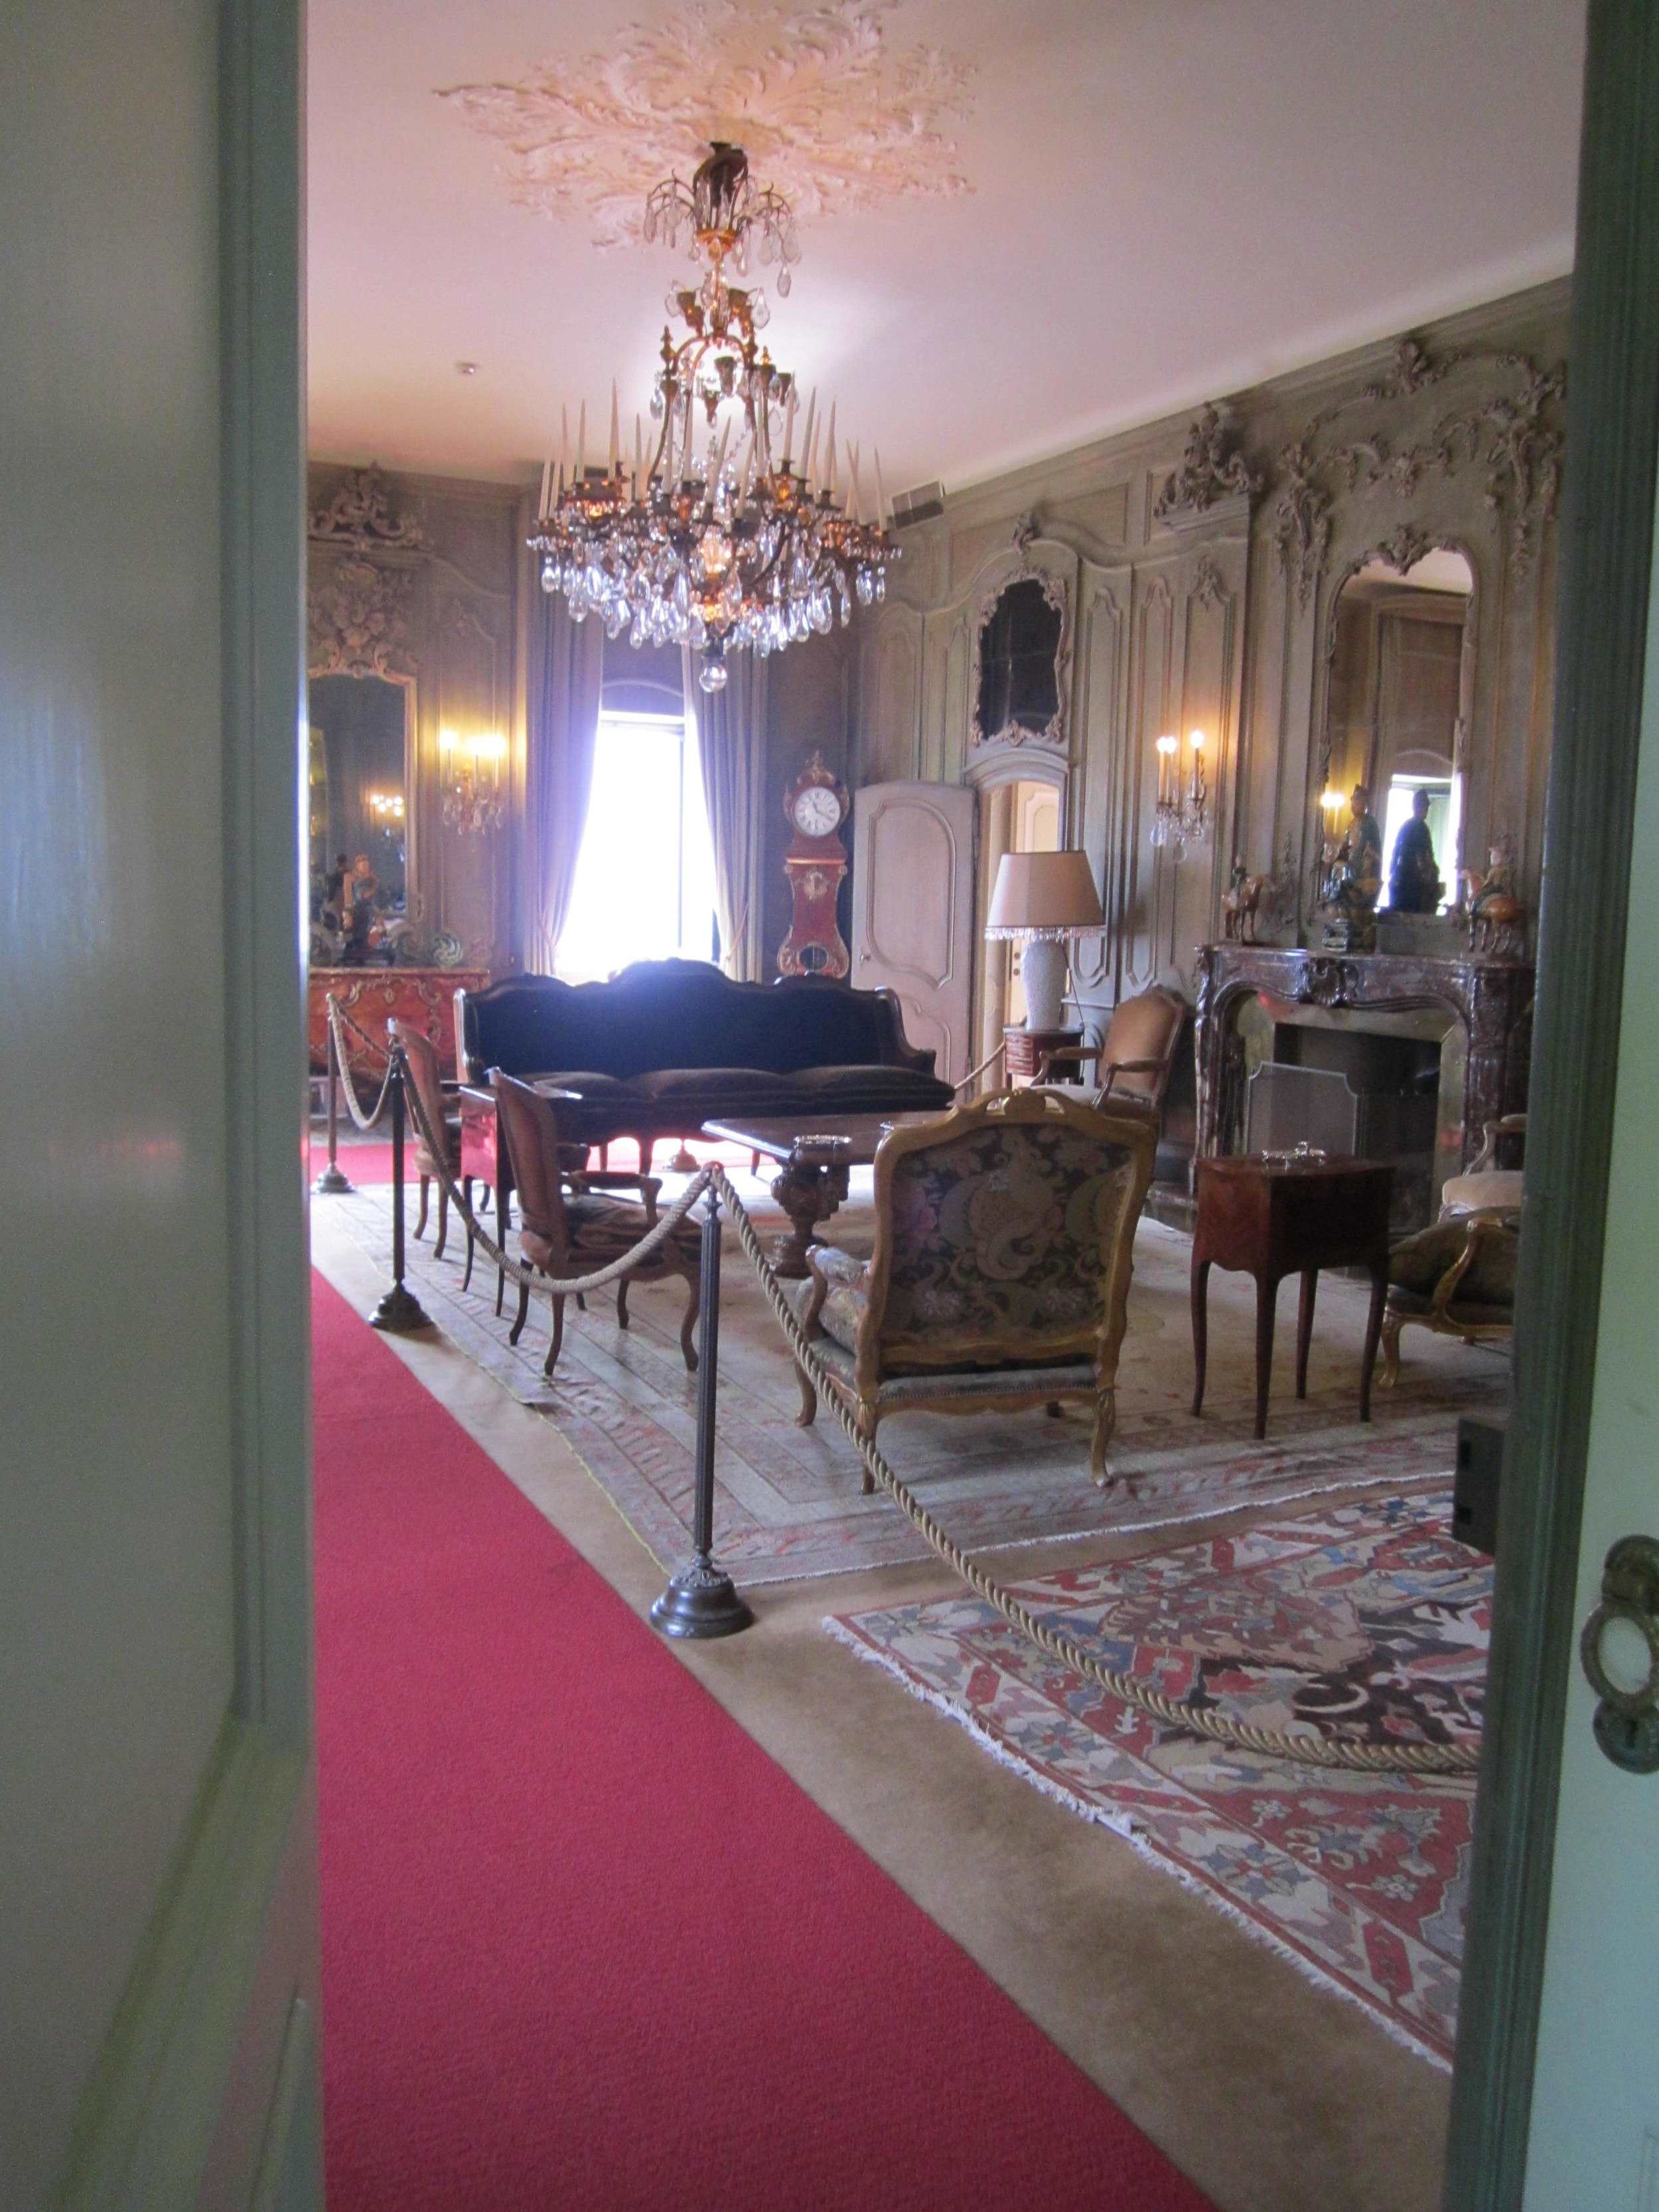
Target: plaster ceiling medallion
x,y
835,116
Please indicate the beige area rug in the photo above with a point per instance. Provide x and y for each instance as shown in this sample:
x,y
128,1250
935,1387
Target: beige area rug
x,y
789,1501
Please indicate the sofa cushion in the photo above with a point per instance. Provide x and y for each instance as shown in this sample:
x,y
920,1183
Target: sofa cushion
x,y
871,1090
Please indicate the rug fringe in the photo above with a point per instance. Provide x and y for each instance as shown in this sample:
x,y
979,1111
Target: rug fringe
x,y
1123,1825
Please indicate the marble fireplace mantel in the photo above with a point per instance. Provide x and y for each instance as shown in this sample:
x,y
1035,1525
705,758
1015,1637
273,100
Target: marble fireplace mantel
x,y
1492,999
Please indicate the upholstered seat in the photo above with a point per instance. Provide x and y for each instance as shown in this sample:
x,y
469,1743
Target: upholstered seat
x,y
566,1235
1457,1278
999,1278
1484,1186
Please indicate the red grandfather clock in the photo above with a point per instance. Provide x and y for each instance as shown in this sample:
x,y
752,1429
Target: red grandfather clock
x,y
816,806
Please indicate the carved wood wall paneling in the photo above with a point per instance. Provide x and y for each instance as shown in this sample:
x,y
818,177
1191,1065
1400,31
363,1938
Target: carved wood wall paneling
x,y
1147,924
1448,438
959,691
1105,814
888,738
1211,677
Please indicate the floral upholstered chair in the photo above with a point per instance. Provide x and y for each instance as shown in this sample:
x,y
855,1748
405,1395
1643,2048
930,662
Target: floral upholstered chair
x,y
999,1276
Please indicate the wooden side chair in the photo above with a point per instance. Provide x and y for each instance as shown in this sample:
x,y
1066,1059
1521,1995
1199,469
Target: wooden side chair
x,y
469,1161
999,1277
570,1232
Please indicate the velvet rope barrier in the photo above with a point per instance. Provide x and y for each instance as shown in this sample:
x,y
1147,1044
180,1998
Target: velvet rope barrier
x,y
1306,1747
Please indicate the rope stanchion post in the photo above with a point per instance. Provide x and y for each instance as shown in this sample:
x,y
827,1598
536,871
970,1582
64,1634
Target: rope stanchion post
x,y
702,1600
399,1310
332,1182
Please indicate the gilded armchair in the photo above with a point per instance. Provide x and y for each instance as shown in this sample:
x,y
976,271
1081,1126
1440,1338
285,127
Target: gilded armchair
x,y
1456,1278
999,1275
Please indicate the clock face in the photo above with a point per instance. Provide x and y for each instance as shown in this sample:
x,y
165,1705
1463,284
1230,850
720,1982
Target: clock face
x,y
816,810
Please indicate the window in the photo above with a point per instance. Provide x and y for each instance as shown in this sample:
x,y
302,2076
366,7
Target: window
x,y
645,882
1444,794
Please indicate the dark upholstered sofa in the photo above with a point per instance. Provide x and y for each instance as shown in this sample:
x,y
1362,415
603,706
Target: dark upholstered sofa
x,y
667,1045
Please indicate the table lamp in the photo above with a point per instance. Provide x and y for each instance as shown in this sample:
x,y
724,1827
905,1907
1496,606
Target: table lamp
x,y
1044,898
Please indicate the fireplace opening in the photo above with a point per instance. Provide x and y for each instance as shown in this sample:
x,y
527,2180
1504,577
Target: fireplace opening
x,y
1382,1086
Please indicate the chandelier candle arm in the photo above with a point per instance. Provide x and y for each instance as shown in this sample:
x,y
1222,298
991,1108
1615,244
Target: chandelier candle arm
x,y
737,550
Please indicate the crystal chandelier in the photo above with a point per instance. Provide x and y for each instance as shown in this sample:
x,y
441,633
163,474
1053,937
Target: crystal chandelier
x,y
754,544
1181,816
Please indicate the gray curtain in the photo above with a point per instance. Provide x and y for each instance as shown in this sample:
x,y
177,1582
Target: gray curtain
x,y
562,725
730,726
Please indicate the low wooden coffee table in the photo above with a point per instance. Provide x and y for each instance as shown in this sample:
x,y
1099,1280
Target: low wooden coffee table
x,y
809,1189
1271,1218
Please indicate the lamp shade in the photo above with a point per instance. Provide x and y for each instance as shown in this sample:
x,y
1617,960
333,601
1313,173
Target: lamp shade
x,y
1051,892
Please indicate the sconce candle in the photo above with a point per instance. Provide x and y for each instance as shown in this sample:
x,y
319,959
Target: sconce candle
x,y
473,801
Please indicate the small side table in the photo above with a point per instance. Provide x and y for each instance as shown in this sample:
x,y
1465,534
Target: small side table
x,y
1271,1220
1024,1050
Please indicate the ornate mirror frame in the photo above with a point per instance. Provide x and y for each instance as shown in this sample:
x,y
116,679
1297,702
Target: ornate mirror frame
x,y
1019,565
1402,549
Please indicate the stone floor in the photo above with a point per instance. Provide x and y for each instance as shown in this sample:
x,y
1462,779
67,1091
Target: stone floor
x,y
1274,2095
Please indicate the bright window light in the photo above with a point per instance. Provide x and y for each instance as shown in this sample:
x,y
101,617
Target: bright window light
x,y
645,882
1444,799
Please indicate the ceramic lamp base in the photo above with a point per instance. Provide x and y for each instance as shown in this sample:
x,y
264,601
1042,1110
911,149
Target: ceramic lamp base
x,y
1042,965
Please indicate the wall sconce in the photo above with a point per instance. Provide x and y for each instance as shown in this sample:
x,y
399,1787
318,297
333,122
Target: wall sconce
x,y
386,807
1181,815
472,775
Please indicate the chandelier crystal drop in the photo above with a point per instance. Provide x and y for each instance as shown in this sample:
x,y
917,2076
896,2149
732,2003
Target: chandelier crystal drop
x,y
702,540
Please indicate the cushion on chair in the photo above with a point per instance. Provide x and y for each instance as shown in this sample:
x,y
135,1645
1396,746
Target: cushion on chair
x,y
1494,1188
927,1387
1416,1264
846,1297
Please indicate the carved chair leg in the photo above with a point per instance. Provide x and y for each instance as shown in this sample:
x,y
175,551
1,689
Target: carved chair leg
x,y
443,1220
471,1241
689,1326
753,1164
551,1360
517,1330
809,1398
420,1219
622,1302
1391,1327
581,1302
1105,1422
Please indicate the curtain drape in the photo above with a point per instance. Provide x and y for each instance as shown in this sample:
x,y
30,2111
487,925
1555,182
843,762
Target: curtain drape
x,y
730,726
561,728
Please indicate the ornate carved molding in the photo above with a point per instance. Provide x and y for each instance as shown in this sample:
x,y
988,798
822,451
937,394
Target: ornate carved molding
x,y
361,514
1209,587
832,115
1515,434
1212,470
1026,531
357,620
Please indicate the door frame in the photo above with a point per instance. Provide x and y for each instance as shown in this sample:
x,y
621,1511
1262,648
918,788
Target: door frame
x,y
1602,619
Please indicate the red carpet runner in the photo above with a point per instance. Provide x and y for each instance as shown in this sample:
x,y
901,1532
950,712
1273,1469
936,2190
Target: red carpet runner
x,y
584,1946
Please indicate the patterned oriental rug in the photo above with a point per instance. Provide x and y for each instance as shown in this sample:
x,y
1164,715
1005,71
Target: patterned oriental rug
x,y
789,1502
1369,1620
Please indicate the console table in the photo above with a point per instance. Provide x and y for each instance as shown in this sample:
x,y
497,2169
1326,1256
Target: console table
x,y
423,997
1492,999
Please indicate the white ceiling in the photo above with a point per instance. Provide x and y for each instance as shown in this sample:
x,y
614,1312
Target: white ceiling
x,y
1170,200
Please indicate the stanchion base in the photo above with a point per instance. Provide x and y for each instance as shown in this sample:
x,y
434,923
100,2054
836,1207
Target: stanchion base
x,y
399,1311
701,1601
332,1183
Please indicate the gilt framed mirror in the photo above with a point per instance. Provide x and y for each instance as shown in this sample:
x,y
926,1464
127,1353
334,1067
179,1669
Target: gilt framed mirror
x,y
360,806
1019,692
1399,684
